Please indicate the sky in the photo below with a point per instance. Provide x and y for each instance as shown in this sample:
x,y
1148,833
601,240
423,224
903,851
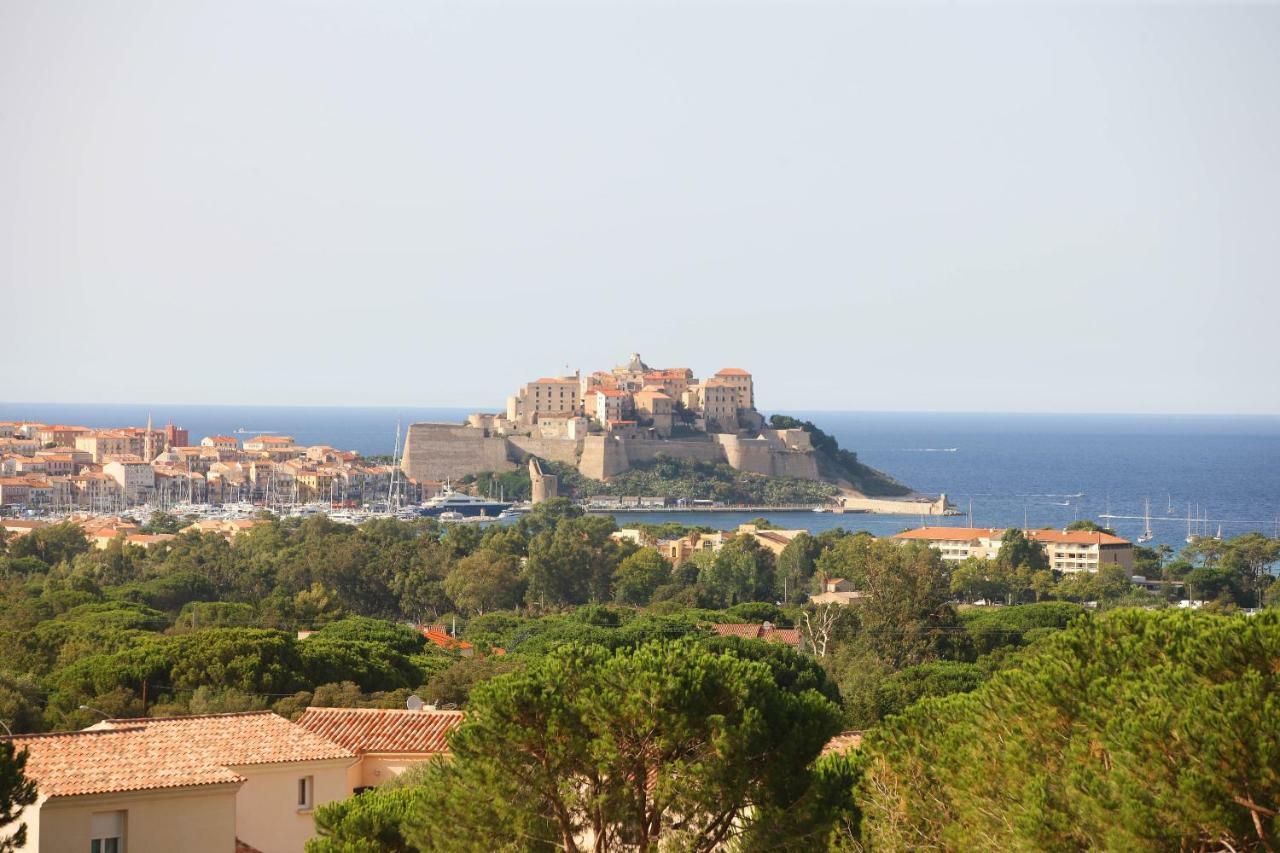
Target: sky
x,y
945,207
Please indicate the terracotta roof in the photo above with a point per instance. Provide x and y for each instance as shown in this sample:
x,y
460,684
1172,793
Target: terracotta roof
x,y
735,629
553,380
969,534
843,742
438,635
363,730
173,752
15,524
765,631
732,371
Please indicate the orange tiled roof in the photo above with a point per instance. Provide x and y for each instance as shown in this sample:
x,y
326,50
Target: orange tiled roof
x,y
438,635
732,371
737,629
843,742
363,730
969,534
767,632
172,752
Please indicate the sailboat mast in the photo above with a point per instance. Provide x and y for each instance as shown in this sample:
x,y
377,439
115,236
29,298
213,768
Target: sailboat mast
x,y
395,466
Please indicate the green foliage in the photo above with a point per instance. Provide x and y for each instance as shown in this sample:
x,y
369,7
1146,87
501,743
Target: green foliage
x,y
567,744
485,580
837,463
756,611
639,575
935,678
215,614
1019,551
51,545
163,522
372,822
1135,730
990,628
16,792
398,638
573,563
740,571
690,479
797,564
452,686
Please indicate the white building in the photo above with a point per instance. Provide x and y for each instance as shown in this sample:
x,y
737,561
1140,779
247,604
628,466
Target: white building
x,y
1068,550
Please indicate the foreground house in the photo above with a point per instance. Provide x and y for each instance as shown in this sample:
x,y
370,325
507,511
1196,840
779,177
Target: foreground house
x,y
214,783
386,741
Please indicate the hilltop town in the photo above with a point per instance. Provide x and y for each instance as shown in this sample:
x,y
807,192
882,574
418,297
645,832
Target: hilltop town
x,y
608,422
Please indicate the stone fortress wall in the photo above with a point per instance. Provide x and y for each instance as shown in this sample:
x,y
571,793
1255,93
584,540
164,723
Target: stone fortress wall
x,y
605,422
448,451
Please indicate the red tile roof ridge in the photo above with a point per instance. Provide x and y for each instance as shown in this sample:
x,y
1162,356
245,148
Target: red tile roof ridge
x,y
383,730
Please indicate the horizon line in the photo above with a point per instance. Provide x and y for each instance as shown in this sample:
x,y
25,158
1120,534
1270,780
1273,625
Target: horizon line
x,y
471,409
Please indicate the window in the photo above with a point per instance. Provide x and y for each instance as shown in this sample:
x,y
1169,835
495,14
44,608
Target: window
x,y
106,830
306,787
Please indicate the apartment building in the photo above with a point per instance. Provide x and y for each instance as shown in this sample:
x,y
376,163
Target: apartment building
x,y
1068,550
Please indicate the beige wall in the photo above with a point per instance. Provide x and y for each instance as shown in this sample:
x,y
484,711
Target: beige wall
x,y
193,820
267,814
374,769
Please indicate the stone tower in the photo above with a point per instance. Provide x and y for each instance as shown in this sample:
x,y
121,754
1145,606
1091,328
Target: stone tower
x,y
544,486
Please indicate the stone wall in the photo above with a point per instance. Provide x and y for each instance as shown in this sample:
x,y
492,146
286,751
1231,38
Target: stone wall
x,y
899,506
602,457
449,451
771,454
563,450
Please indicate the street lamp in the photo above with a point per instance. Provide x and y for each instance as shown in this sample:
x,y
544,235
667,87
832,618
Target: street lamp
x,y
104,714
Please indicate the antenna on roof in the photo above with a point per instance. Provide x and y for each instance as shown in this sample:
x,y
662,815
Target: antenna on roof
x,y
414,703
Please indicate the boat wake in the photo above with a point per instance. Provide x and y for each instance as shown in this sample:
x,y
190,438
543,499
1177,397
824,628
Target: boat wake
x,y
930,450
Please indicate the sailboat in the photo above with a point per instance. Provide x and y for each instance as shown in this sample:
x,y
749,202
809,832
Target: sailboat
x,y
1190,537
1147,535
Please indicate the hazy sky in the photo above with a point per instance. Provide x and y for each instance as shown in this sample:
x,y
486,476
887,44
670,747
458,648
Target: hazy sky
x,y
870,207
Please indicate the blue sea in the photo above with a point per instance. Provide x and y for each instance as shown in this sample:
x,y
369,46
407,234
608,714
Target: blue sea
x,y
1048,469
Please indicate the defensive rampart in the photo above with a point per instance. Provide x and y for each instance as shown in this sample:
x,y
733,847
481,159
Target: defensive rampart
x,y
450,451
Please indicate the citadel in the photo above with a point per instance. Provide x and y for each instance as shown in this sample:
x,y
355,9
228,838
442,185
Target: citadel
x,y
603,423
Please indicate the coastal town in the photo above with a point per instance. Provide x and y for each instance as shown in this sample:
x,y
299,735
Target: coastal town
x,y
58,468
642,427
600,425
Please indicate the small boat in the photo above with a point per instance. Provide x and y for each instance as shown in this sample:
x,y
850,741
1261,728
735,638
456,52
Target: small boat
x,y
1146,535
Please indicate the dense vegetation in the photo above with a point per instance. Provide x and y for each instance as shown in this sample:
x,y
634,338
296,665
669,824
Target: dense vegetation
x,y
674,479
1157,717
836,463
1134,731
